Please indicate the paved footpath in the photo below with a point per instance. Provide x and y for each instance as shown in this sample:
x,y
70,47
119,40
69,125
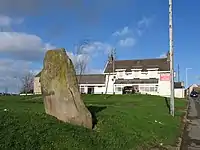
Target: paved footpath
x,y
191,136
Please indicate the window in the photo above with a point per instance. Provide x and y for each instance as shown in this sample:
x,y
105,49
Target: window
x,y
146,89
119,89
144,72
82,90
128,73
149,88
120,74
141,88
152,89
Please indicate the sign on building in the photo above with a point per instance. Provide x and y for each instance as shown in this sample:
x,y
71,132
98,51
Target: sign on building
x,y
165,77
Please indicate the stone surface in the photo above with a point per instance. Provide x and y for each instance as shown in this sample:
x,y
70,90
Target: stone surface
x,y
60,91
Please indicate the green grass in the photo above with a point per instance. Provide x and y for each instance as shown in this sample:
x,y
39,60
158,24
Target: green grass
x,y
122,122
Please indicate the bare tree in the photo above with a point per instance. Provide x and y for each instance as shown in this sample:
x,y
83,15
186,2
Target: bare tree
x,y
82,57
27,83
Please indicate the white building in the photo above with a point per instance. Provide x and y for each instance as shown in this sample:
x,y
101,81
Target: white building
x,y
147,76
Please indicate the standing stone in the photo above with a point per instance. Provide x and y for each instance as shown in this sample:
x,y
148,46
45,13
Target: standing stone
x,y
60,91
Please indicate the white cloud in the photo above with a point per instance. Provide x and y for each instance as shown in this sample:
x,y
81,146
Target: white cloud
x,y
11,72
122,32
143,24
25,50
128,42
163,55
96,47
22,45
6,21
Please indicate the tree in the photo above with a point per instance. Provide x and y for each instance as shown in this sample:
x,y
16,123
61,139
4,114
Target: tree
x,y
27,83
82,58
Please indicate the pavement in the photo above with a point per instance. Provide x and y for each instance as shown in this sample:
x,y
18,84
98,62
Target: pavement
x,y
191,135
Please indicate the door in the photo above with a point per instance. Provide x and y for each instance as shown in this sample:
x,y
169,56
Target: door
x,y
90,90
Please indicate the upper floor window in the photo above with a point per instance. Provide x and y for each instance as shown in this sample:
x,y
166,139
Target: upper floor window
x,y
128,73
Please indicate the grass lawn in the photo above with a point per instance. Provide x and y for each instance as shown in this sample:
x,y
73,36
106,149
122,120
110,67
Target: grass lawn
x,y
122,122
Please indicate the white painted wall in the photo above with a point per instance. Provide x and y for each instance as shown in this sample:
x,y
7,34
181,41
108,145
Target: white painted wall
x,y
162,90
163,86
140,86
110,83
179,93
98,88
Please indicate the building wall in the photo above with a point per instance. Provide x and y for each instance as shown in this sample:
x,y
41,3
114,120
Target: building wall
x,y
37,85
179,93
162,88
137,74
109,83
143,88
98,88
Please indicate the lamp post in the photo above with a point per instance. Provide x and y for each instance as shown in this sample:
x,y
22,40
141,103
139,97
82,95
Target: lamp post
x,y
186,76
171,50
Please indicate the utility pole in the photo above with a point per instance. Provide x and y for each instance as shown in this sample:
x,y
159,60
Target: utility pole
x,y
111,61
113,67
171,59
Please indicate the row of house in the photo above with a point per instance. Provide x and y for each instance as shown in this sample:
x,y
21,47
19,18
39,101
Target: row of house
x,y
147,76
192,87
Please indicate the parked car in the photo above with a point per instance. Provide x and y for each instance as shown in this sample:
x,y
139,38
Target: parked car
x,y
193,94
128,90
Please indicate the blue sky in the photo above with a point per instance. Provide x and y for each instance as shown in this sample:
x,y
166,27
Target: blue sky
x,y
136,28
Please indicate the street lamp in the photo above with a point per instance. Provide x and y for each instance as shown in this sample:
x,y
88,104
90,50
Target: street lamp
x,y
186,77
171,52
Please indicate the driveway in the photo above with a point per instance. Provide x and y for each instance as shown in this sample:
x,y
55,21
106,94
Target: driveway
x,y
191,137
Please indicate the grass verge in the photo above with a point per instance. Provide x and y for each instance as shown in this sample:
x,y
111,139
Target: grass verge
x,y
121,122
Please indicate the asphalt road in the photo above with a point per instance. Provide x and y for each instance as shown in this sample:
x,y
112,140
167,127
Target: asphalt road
x,y
191,136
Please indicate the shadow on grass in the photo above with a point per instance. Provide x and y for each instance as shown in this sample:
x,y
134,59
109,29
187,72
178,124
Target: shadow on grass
x,y
94,110
31,101
167,102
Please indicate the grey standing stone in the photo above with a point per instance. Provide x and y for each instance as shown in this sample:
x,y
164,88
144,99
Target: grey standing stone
x,y
60,90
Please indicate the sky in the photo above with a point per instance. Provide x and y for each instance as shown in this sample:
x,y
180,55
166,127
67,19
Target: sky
x,y
137,29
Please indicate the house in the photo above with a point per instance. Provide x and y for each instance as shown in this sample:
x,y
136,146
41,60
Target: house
x,y
192,87
179,90
148,76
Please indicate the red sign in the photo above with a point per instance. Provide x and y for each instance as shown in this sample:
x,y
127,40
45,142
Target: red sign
x,y
165,77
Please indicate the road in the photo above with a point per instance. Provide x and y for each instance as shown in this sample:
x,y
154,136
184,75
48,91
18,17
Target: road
x,y
191,136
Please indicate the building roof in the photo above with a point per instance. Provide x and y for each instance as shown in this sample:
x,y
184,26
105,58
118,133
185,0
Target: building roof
x,y
136,81
178,85
91,79
161,63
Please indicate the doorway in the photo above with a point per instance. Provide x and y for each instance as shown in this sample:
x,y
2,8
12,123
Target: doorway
x,y
90,90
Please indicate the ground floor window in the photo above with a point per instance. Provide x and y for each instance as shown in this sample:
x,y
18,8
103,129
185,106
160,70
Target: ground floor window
x,y
148,88
82,89
118,89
